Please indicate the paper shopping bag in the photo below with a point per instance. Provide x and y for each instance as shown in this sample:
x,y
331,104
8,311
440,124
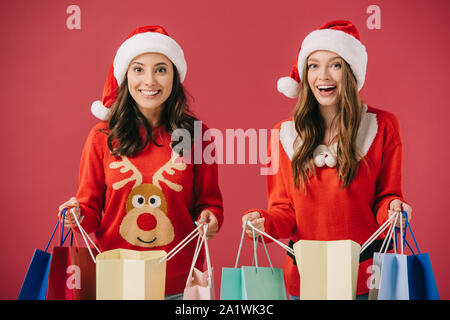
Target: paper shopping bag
x,y
71,274
231,284
252,282
124,274
421,281
328,269
407,277
262,283
394,277
200,285
34,286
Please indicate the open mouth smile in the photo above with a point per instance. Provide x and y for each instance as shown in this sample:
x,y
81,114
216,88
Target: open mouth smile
x,y
326,90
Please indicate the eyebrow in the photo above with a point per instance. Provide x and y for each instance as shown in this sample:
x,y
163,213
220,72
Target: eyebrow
x,y
316,60
158,64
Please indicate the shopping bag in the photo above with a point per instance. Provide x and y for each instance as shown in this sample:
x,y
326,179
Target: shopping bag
x,y
124,274
328,269
72,271
200,284
421,281
373,282
34,286
407,277
231,284
252,282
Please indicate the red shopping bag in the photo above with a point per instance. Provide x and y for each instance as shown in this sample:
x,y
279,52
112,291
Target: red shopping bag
x,y
72,272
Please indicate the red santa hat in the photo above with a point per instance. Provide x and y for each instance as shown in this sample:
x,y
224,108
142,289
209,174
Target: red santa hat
x,y
341,37
141,40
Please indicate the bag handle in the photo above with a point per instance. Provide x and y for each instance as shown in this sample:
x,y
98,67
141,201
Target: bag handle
x,y
281,244
376,234
85,236
389,236
408,226
255,256
61,237
51,237
181,245
200,241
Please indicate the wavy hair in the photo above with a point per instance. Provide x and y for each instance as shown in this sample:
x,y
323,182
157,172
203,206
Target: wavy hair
x,y
310,127
125,120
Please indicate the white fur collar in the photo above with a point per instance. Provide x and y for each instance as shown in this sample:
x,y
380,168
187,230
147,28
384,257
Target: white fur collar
x,y
327,155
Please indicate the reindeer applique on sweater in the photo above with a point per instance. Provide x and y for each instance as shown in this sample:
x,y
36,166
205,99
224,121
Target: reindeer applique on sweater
x,y
146,223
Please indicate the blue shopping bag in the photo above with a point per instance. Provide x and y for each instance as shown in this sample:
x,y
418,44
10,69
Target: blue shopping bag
x,y
407,277
34,286
394,277
421,281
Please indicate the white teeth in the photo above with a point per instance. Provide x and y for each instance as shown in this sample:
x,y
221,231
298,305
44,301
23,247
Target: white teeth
x,y
325,87
148,92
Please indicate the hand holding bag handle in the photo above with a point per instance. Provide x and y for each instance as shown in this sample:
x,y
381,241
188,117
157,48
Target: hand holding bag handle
x,y
181,244
85,236
281,244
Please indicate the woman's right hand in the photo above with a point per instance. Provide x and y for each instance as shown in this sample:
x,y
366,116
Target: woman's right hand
x,y
255,218
71,203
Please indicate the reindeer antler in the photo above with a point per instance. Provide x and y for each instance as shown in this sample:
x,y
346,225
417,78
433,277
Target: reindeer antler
x,y
169,168
126,166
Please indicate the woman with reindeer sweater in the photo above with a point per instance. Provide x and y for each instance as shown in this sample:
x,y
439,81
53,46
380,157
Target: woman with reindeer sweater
x,y
136,192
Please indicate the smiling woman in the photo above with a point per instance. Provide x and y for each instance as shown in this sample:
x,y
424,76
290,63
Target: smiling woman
x,y
150,78
339,176
135,191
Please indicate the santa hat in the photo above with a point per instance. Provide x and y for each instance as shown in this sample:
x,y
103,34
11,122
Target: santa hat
x,y
340,37
141,40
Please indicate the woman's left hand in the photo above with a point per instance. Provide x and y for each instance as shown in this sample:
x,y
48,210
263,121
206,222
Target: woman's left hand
x,y
207,217
398,206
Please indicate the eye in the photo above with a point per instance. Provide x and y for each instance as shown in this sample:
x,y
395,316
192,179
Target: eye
x,y
312,66
161,70
137,69
337,65
154,201
138,201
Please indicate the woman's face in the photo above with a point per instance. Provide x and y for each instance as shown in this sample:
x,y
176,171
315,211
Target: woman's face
x,y
324,76
150,80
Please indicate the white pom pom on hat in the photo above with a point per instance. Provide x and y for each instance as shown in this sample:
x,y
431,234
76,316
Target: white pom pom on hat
x,y
338,36
141,40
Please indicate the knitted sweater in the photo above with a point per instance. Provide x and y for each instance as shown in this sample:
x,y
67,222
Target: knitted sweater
x,y
327,212
146,202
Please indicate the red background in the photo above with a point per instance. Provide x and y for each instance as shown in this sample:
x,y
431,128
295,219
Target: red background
x,y
236,50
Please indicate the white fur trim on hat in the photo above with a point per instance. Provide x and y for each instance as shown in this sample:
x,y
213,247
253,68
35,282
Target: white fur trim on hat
x,y
344,44
289,87
148,42
99,110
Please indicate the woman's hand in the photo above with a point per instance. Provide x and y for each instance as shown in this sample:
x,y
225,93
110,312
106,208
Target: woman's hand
x,y
207,217
71,203
398,206
255,218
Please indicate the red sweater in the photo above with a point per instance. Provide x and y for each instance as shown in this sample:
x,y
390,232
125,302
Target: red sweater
x,y
146,202
327,212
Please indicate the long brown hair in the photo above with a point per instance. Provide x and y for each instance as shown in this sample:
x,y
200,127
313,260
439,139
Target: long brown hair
x,y
310,127
125,119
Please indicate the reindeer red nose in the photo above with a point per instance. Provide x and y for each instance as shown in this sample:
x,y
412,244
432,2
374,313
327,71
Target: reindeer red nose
x,y
146,222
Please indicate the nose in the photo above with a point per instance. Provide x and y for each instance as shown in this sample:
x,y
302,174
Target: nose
x,y
146,221
323,73
149,79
